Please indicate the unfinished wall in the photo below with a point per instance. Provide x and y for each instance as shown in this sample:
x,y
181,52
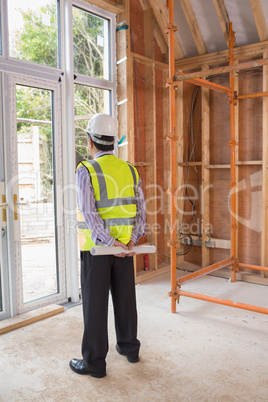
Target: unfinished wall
x,y
209,172
203,154
146,98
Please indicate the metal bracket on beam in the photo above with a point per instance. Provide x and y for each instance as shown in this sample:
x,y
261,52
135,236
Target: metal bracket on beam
x,y
172,243
172,138
232,99
232,142
171,27
173,191
233,185
233,227
235,265
172,83
173,294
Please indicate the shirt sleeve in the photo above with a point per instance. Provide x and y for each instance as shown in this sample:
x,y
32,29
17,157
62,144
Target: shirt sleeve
x,y
139,228
86,203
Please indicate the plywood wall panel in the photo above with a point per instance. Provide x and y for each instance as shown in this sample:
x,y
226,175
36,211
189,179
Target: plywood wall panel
x,y
194,256
250,118
139,114
217,254
192,223
157,52
144,129
188,91
219,124
219,209
250,214
137,31
191,194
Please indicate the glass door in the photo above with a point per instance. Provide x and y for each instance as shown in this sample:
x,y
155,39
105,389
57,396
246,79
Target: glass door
x,y
4,280
34,192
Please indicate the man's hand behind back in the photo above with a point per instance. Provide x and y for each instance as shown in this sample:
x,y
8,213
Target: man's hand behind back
x,y
118,243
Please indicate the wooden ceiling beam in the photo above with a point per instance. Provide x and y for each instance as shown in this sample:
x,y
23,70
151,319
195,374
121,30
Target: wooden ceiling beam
x,y
212,59
259,19
193,25
144,4
160,39
161,16
113,6
223,18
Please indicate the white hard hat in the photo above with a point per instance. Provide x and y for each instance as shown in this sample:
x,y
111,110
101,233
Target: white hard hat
x,y
101,124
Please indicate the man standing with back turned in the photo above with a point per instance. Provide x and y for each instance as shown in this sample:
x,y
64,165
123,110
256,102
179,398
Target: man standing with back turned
x,y
111,213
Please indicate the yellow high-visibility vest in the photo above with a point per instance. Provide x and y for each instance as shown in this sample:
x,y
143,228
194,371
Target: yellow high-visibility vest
x,y
114,183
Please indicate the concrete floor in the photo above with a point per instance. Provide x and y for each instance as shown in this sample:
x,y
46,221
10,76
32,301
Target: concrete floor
x,y
204,352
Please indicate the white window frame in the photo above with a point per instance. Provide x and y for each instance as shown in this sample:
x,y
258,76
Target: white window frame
x,y
33,71
68,121
17,304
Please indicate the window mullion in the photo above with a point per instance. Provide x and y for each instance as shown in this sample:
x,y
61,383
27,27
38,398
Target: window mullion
x,y
94,82
4,25
69,154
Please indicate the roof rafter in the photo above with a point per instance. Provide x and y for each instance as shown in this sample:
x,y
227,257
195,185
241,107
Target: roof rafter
x,y
223,18
193,25
160,39
161,16
259,19
144,4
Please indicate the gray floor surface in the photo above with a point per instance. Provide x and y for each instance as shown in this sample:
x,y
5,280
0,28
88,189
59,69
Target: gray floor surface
x,y
204,352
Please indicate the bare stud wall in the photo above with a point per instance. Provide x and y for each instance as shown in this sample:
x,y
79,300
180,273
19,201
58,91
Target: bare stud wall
x,y
208,174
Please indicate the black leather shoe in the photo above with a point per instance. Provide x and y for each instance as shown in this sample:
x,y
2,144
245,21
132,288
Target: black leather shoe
x,y
80,367
131,358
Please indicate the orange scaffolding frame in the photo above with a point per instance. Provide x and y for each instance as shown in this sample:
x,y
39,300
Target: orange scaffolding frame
x,y
195,79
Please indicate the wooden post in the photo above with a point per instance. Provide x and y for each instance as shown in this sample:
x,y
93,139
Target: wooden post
x,y
205,193
166,167
173,155
150,135
179,149
264,236
236,134
232,144
125,110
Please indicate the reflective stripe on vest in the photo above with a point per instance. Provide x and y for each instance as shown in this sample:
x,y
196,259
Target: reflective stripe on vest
x,y
118,213
104,201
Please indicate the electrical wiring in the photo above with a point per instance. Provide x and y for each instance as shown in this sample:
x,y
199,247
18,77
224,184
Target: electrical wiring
x,y
187,245
191,158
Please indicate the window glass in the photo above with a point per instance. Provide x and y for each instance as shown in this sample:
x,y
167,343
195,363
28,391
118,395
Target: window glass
x,y
87,101
90,44
33,31
36,182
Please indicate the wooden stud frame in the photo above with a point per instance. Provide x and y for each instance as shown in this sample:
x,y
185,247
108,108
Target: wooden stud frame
x,y
233,261
126,120
264,238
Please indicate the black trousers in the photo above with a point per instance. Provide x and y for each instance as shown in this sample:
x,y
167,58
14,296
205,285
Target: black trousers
x,y
99,274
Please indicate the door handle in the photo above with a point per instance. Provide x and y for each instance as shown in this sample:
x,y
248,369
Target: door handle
x,y
4,205
15,199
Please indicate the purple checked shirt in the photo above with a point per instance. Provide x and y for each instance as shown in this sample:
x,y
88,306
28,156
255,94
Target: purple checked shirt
x,y
86,203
